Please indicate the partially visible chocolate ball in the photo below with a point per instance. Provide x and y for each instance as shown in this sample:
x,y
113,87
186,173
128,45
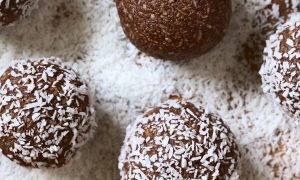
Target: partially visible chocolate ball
x,y
172,29
265,22
13,10
45,113
280,71
177,140
271,16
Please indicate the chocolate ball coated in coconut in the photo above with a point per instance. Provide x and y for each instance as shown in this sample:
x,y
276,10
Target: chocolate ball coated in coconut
x,y
176,140
265,23
45,113
174,29
274,14
13,10
280,71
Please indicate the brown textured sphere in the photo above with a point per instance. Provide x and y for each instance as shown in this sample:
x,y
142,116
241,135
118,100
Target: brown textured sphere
x,y
265,23
176,140
14,10
280,71
45,113
172,29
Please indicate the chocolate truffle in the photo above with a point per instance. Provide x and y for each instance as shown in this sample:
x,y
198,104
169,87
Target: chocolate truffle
x,y
265,23
174,29
14,10
45,113
274,14
280,71
176,140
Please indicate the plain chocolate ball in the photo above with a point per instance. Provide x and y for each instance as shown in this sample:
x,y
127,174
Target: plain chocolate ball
x,y
172,29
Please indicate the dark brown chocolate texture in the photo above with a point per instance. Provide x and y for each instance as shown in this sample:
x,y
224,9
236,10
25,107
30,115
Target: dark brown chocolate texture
x,y
45,113
177,140
173,29
13,10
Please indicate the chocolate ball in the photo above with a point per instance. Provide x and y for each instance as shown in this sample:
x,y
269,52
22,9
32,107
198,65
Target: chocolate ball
x,y
14,10
273,15
176,140
265,23
280,71
174,29
45,113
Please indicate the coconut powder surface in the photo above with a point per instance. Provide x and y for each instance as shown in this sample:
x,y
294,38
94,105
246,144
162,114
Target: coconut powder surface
x,y
88,36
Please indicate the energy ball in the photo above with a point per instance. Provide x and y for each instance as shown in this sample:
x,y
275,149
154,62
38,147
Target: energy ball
x,y
272,15
45,113
265,23
280,71
14,10
174,30
176,140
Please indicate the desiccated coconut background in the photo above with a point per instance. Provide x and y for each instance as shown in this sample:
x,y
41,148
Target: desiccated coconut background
x,y
87,34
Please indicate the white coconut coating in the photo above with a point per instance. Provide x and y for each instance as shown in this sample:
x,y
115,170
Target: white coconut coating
x,y
281,67
45,113
176,140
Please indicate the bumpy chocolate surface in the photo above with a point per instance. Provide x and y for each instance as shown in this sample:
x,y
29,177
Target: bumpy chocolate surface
x,y
13,10
172,29
280,71
178,141
45,113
